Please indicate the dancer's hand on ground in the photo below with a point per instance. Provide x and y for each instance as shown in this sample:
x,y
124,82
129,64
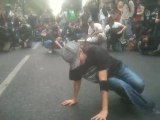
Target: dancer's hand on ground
x,y
69,102
101,116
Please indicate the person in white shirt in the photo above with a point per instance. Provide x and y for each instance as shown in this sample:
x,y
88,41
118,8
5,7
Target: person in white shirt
x,y
114,31
132,8
126,19
95,30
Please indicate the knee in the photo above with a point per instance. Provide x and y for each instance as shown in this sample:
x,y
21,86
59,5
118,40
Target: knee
x,y
139,87
116,84
119,87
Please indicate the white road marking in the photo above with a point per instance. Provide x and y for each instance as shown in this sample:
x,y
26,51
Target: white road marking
x,y
36,45
10,77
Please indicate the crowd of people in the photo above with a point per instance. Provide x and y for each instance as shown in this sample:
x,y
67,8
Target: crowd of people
x,y
123,24
120,24
15,25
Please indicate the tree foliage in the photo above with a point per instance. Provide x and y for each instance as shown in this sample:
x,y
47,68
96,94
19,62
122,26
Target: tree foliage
x,y
34,5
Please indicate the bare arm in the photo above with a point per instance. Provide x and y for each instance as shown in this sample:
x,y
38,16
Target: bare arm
x,y
76,89
104,97
100,30
73,100
104,94
123,28
157,20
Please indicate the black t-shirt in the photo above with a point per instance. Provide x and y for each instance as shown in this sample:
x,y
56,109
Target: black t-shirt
x,y
96,56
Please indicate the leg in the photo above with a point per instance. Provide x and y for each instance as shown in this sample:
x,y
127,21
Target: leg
x,y
108,44
126,91
131,78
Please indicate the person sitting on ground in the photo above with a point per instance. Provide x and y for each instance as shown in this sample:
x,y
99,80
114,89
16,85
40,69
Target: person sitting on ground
x,y
54,39
93,63
95,29
114,31
149,45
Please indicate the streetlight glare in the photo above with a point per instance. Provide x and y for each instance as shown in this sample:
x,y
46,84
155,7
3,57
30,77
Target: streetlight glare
x,y
84,2
55,5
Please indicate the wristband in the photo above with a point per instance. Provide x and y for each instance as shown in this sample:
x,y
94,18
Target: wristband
x,y
104,85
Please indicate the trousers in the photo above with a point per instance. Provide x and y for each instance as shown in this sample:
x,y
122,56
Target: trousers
x,y
129,85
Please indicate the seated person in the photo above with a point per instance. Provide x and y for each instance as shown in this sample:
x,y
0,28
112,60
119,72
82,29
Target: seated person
x,y
114,31
149,45
95,29
54,39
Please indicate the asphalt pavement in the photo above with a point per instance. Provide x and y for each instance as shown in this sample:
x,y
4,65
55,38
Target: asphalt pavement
x,y
41,83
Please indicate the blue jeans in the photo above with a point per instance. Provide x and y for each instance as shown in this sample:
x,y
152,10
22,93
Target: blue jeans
x,y
156,32
128,31
129,86
48,44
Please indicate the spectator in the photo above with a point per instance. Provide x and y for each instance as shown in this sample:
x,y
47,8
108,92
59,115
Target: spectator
x,y
53,38
138,19
32,20
149,22
125,19
114,31
84,20
149,45
132,8
71,14
2,18
95,29
157,25
94,10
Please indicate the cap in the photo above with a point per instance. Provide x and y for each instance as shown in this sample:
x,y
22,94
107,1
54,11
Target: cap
x,y
71,53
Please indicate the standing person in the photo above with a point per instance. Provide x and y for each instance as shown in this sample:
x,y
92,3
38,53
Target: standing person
x,y
110,73
102,19
94,10
127,12
131,8
84,20
157,25
149,22
71,14
2,18
138,18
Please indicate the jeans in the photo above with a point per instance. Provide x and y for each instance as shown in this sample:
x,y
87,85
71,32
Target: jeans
x,y
48,44
156,32
115,42
128,31
117,46
129,85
